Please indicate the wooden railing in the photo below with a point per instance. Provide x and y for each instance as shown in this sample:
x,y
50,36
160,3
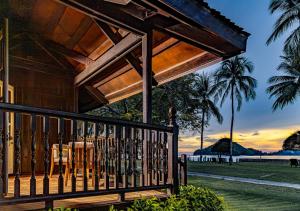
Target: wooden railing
x,y
127,156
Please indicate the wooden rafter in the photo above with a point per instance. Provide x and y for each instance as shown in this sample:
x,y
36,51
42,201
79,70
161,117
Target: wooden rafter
x,y
97,95
50,53
118,51
69,53
109,13
116,37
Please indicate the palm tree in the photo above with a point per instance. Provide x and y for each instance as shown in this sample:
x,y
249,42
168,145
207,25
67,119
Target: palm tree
x,y
206,91
286,87
231,79
290,15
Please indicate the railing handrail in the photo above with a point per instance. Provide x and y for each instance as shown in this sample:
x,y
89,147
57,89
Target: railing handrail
x,y
83,117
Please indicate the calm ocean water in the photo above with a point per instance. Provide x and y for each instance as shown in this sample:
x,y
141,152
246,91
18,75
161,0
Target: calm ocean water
x,y
265,157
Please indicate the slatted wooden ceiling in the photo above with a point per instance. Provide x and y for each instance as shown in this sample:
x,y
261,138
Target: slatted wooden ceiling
x,y
83,42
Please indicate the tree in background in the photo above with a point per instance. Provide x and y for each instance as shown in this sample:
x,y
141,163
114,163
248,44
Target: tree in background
x,y
178,93
290,16
286,87
206,91
232,80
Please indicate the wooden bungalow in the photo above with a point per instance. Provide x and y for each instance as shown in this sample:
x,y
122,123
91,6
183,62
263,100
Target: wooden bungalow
x,y
62,58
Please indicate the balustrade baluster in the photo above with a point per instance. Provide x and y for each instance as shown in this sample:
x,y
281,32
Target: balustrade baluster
x,y
96,182
143,158
157,156
74,139
17,149
125,157
46,154
118,155
150,158
134,156
106,157
165,158
61,127
85,176
33,156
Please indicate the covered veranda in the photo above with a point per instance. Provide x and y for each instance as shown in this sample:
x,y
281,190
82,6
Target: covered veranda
x,y
62,58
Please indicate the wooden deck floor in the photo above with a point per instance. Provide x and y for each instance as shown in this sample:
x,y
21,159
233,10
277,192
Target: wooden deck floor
x,y
73,203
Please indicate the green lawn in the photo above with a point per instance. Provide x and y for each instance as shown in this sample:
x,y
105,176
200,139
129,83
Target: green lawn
x,y
280,172
244,196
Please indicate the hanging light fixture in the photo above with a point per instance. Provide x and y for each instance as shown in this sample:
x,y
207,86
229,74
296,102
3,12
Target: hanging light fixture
x,y
122,2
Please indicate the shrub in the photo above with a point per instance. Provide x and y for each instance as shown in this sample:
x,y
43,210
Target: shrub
x,y
190,198
201,198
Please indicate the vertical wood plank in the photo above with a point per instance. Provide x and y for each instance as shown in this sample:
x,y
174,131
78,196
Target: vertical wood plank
x,y
2,155
60,139
17,151
46,156
74,139
33,156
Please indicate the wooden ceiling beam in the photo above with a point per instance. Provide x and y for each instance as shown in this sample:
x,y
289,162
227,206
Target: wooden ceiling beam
x,y
127,44
97,95
156,51
69,53
116,37
109,13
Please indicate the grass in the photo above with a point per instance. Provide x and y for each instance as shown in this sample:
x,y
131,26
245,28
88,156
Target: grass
x,y
273,171
247,197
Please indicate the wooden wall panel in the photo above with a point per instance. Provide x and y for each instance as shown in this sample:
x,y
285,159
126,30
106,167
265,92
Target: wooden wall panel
x,y
41,90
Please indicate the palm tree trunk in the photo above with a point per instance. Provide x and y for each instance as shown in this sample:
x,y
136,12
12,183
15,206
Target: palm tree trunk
x,y
231,125
202,131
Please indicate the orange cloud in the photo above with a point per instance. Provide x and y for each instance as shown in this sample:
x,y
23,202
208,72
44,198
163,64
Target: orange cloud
x,y
268,139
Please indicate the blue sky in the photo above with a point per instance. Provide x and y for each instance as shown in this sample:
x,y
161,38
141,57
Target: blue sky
x,y
256,117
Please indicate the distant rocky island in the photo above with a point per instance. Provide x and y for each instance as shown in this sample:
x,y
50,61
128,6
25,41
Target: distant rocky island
x,y
222,147
291,146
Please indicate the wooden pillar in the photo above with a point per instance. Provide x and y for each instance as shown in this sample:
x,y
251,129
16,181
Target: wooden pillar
x,y
173,153
147,99
147,77
5,95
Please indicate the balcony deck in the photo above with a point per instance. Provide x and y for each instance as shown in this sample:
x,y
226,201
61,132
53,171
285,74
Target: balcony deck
x,y
95,201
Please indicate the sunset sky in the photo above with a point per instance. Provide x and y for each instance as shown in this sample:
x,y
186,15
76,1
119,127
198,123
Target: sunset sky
x,y
256,125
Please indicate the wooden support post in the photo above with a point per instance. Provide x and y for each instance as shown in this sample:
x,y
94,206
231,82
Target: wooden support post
x,y
147,77
147,97
6,100
183,170
173,153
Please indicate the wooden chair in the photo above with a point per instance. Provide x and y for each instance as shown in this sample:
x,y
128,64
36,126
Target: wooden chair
x,y
55,157
79,160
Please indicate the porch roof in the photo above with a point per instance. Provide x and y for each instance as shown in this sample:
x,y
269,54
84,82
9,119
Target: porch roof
x,y
101,43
